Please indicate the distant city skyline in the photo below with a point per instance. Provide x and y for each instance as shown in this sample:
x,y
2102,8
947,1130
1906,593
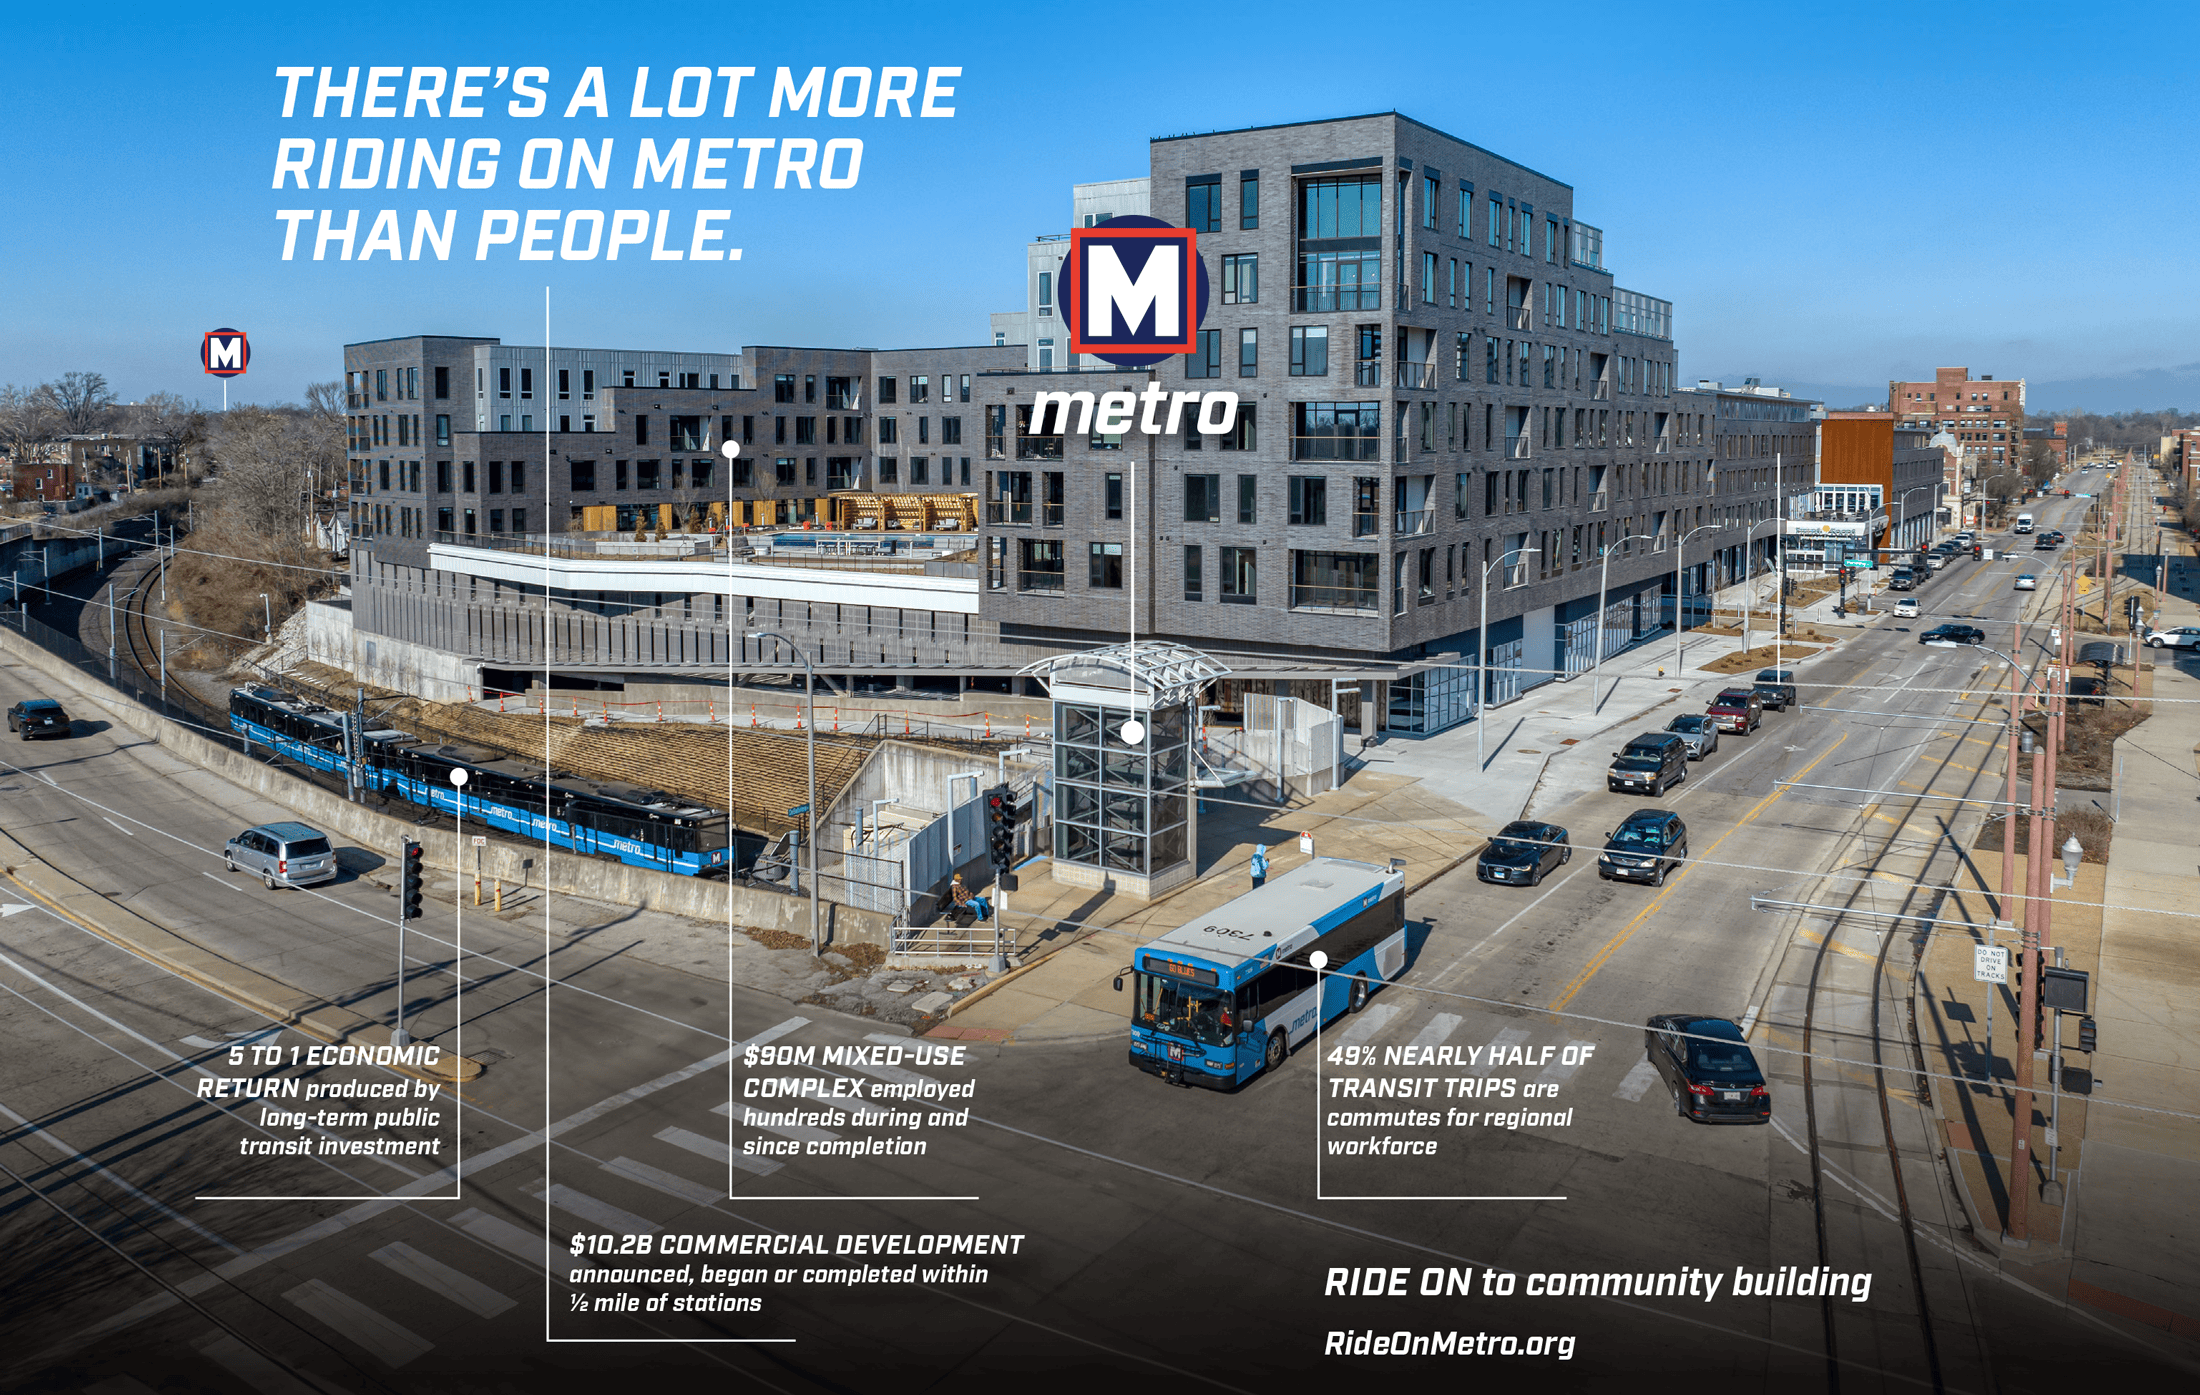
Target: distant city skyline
x,y
1799,185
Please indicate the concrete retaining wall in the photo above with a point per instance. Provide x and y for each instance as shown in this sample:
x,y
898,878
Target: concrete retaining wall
x,y
558,873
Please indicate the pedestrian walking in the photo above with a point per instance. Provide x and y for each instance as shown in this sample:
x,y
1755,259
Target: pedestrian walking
x,y
1260,866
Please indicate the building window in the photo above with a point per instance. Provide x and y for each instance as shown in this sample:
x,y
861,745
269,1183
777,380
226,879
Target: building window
x,y
1336,431
646,473
526,384
1248,498
442,430
1248,353
1249,200
886,392
1334,580
889,470
1240,575
504,382
1039,565
805,431
1241,279
889,431
1309,351
1050,500
1309,500
1106,566
951,431
1202,498
1428,278
1205,361
920,469
1203,203
443,476
1009,498
1112,496
1192,591
1242,434
782,387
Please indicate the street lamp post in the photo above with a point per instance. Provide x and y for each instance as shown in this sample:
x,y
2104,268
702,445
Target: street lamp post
x,y
1902,513
1482,648
1680,624
1604,577
809,735
1983,502
268,608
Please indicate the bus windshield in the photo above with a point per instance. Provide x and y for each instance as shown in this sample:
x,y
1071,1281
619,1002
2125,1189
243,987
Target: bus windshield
x,y
1186,1010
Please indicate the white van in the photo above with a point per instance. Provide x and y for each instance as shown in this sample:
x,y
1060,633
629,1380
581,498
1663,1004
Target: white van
x,y
2024,523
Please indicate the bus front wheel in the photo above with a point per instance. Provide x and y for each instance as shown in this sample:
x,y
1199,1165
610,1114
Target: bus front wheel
x,y
1358,999
1277,1048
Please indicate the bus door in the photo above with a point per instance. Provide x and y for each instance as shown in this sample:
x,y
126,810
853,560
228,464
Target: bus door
x,y
1281,999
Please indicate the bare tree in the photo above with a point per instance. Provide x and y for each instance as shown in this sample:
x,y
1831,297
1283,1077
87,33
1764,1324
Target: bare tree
x,y
171,424
27,420
83,401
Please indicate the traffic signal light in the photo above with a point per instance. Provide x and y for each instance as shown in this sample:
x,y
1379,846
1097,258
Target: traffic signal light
x,y
1000,825
410,884
2088,1035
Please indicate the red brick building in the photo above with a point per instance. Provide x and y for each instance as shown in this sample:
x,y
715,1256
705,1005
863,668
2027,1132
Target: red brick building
x,y
1985,416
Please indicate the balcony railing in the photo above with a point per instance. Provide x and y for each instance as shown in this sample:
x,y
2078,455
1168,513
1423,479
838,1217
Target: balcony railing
x,y
1038,448
1360,600
1408,522
1416,375
1336,448
1520,316
1366,525
1313,300
1516,447
1603,392
1599,502
1368,373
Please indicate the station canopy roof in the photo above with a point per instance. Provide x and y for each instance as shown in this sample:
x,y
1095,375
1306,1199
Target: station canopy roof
x,y
1143,675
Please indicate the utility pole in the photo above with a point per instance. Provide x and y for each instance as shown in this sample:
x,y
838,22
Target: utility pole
x,y
1780,511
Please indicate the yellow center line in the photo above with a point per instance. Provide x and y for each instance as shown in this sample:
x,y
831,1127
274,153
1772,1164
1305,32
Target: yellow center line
x,y
1611,947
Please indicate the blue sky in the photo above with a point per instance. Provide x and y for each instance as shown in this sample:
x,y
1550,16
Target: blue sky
x,y
1831,195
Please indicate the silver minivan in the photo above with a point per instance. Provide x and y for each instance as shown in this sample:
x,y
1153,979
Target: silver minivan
x,y
282,854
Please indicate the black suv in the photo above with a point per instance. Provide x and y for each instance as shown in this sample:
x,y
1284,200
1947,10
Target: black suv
x,y
1650,762
1708,1069
1648,844
1776,688
38,717
1953,634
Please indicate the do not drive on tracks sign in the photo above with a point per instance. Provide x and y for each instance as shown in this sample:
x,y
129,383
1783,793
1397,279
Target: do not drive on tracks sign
x,y
1990,963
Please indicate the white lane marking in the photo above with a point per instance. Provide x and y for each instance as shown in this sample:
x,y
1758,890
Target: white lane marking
x,y
670,1183
754,1119
362,1325
1439,1028
73,1154
596,1212
252,1368
1510,1037
532,1250
1372,1020
1485,941
715,1150
1559,1070
1638,1082
201,1043
117,825
434,1275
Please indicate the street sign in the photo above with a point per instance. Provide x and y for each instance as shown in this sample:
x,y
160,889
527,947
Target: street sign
x,y
798,811
1990,963
479,840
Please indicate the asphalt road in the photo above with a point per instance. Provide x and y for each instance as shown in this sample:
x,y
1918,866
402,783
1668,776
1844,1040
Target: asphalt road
x,y
1162,1234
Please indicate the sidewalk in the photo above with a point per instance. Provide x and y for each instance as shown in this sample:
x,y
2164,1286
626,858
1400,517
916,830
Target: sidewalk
x,y
2119,1242
1420,799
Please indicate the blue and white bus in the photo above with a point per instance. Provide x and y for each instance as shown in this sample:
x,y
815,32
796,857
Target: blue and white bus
x,y
1219,1000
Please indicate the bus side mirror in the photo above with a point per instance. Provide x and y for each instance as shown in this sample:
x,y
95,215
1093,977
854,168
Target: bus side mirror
x,y
1118,983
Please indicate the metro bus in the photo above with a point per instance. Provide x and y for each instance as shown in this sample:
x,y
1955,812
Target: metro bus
x,y
1219,1000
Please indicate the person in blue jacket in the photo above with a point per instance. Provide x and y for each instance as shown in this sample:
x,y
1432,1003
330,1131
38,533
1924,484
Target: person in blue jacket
x,y
1260,866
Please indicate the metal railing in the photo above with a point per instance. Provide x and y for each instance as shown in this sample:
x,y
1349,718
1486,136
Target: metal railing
x,y
1410,522
1416,375
1307,300
1516,447
1368,372
1336,448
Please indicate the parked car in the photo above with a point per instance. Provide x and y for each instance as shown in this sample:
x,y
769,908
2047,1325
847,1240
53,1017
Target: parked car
x,y
1698,730
2028,582
1901,579
1647,845
1953,634
1650,763
1936,561
1708,1069
283,854
2183,637
38,717
1776,688
1737,710
1524,853
1906,608
2091,691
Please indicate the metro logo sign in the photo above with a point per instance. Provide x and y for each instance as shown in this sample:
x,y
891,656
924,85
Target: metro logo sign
x,y
1133,290
224,353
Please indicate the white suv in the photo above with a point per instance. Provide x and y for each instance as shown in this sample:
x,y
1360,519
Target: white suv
x,y
2183,637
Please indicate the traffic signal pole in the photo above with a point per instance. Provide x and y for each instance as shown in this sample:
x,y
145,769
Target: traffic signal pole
x,y
408,905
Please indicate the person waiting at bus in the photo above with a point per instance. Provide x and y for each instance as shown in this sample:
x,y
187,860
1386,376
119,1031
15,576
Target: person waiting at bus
x,y
1260,865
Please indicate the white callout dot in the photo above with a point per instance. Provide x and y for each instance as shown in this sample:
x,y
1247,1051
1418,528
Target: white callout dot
x,y
1319,959
730,449
1133,733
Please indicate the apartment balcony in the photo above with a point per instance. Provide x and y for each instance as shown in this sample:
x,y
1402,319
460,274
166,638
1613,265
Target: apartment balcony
x,y
1520,317
1368,373
1413,522
1315,300
1516,447
1367,525
1417,375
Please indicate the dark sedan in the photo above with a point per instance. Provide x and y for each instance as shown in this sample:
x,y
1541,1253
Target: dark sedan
x,y
1708,1069
1648,844
38,717
1524,853
1953,634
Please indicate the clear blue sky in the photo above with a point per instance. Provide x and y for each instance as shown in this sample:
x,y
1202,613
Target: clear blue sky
x,y
1831,195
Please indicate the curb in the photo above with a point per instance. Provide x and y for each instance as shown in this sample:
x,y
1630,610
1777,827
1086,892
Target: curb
x,y
271,998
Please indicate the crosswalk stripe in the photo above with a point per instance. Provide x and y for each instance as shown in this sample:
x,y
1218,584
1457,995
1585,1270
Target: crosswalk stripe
x,y
601,1213
252,1368
1505,1040
431,1273
1559,1070
394,1345
1372,1020
1638,1082
534,1251
715,1150
670,1183
1439,1029
755,1119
